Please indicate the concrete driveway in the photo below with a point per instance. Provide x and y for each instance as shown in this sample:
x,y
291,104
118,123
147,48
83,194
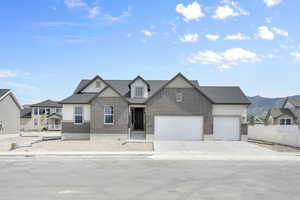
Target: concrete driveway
x,y
225,147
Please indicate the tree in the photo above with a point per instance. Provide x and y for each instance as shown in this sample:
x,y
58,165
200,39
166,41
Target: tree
x,y
252,120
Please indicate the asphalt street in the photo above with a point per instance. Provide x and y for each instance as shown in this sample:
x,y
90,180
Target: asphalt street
x,y
115,178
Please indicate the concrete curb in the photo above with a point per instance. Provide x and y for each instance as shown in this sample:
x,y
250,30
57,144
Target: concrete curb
x,y
66,154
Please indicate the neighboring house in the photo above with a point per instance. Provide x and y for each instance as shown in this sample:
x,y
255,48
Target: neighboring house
x,y
9,112
288,114
259,121
46,115
176,109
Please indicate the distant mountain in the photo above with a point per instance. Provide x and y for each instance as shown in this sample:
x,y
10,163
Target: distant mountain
x,y
260,105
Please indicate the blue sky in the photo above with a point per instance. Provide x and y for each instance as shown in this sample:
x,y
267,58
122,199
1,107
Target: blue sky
x,y
48,46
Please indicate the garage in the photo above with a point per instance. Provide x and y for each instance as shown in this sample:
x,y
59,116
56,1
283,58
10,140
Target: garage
x,y
226,128
180,128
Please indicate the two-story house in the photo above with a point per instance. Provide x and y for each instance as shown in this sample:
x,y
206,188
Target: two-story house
x,y
176,109
46,115
288,114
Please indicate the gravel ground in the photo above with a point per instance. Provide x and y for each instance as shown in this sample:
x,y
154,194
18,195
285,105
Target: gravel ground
x,y
66,146
85,146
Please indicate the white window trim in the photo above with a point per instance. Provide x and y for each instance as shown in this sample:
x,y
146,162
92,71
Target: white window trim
x,y
285,119
104,114
179,100
140,87
74,114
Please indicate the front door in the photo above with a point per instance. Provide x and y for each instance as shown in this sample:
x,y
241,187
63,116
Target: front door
x,y
138,118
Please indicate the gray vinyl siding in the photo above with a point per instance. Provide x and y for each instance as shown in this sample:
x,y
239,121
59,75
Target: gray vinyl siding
x,y
164,103
120,107
70,127
10,116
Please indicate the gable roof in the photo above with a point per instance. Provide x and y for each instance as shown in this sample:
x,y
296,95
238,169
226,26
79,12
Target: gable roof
x,y
47,103
86,83
293,100
277,112
188,81
139,77
217,95
3,92
8,92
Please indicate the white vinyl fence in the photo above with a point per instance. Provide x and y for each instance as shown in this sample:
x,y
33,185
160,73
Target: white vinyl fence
x,y
286,135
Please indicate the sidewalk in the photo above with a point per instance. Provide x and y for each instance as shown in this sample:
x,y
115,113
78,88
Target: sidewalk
x,y
156,156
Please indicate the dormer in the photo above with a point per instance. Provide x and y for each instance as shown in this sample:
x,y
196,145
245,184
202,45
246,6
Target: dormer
x,y
139,88
94,86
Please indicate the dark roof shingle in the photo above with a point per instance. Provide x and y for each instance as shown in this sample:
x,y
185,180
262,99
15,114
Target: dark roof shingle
x,y
3,92
295,101
47,103
277,112
225,95
219,95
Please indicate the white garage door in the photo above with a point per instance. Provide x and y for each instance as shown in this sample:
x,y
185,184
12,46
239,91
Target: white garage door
x,y
178,127
226,128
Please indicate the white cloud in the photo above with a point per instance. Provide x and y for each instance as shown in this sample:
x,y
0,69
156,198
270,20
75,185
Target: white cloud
x,y
226,59
271,3
296,55
229,9
94,12
190,37
7,73
191,11
238,36
212,37
117,18
147,33
280,32
265,33
74,3
206,57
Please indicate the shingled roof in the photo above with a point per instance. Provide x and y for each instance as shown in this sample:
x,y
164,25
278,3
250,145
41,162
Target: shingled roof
x,y
293,100
277,112
47,103
3,92
218,95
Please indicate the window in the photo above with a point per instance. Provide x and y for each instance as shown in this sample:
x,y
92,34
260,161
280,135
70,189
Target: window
x,y
139,91
36,111
58,110
98,84
108,115
42,111
1,126
47,111
36,122
285,121
78,115
178,97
